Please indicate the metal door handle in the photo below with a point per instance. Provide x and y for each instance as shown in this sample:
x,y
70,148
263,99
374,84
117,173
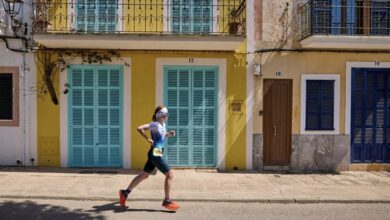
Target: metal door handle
x,y
274,130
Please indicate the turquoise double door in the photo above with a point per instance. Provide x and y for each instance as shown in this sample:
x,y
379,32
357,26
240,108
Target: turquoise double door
x,y
190,94
95,112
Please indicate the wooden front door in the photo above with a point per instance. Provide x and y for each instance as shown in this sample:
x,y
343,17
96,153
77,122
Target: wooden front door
x,y
277,122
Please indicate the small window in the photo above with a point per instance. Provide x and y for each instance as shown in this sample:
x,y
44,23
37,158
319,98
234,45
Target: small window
x,y
9,96
319,105
6,96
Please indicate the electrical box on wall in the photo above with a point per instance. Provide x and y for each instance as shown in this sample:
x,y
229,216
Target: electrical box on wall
x,y
236,107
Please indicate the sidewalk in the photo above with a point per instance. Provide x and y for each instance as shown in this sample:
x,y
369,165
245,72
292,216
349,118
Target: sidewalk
x,y
197,185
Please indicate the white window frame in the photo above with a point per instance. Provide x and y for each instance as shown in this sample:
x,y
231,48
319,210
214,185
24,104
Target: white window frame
x,y
221,63
336,105
126,148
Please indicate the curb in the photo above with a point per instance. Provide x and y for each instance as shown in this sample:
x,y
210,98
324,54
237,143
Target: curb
x,y
276,201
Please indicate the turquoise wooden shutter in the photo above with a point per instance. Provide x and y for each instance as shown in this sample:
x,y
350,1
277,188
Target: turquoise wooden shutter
x,y
197,11
112,12
91,15
103,117
186,19
102,15
80,15
82,117
184,116
89,124
96,116
204,117
190,95
171,84
336,17
178,94
109,117
175,16
202,16
107,14
86,16
207,15
181,16
197,117
210,114
115,117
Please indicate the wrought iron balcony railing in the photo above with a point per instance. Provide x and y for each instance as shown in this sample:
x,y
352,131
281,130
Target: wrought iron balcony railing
x,y
140,16
346,17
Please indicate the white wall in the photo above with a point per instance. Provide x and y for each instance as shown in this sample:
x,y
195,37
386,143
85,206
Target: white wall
x,y
19,143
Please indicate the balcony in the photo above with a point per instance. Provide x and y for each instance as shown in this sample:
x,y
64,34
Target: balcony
x,y
346,24
140,24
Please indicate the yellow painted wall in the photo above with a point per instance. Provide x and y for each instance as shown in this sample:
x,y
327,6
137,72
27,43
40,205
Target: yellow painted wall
x,y
143,90
236,123
292,65
144,16
48,123
58,15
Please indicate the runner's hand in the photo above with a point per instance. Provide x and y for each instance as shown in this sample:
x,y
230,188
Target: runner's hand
x,y
151,141
172,133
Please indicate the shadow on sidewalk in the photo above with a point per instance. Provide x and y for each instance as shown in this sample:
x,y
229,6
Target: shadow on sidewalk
x,y
117,209
105,171
31,210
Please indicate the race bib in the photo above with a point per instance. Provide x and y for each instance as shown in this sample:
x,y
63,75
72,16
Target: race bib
x,y
157,152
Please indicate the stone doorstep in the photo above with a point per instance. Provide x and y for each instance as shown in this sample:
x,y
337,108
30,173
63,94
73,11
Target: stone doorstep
x,y
276,168
370,167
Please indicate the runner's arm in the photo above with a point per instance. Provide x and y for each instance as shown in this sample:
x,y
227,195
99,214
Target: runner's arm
x,y
141,129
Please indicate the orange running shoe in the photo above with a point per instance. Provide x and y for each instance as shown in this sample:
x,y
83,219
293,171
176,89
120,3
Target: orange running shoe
x,y
171,205
122,198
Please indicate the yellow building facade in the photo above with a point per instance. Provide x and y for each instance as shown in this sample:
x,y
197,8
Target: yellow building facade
x,y
199,74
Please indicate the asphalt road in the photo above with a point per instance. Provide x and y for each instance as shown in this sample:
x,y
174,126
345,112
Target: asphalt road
x,y
68,209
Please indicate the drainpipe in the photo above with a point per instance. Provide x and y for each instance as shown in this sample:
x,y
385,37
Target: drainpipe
x,y
24,109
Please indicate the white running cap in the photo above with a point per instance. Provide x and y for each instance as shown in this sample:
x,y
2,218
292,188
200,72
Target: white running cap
x,y
163,111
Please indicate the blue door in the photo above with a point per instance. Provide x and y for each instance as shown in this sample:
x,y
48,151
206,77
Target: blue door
x,y
191,96
95,116
370,115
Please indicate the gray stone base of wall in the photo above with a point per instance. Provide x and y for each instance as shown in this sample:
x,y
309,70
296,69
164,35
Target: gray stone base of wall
x,y
311,153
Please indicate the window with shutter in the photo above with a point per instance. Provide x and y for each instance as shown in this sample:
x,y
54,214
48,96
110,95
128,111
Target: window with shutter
x,y
190,95
96,15
191,16
319,105
95,116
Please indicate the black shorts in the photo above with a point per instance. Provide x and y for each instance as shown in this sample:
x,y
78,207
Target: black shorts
x,y
156,161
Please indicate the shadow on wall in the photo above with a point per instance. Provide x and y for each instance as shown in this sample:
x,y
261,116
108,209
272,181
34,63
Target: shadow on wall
x,y
32,210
